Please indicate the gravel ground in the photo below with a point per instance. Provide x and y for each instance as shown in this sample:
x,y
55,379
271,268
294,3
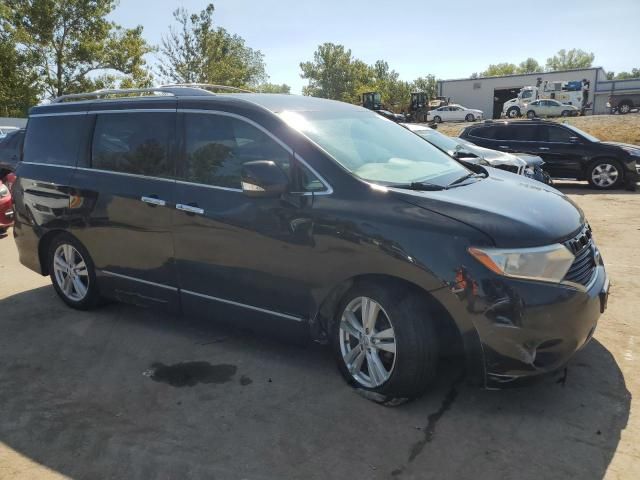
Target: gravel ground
x,y
78,398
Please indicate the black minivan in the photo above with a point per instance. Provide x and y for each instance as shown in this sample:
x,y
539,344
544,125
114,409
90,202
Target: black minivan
x,y
302,211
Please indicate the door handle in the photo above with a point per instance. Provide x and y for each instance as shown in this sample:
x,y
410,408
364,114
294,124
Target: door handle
x,y
153,201
190,208
543,148
503,146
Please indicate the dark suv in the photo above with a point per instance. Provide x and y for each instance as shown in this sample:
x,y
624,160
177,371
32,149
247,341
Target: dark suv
x,y
567,151
301,211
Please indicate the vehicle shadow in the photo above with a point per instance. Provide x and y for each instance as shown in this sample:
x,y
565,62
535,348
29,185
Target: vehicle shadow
x,y
82,395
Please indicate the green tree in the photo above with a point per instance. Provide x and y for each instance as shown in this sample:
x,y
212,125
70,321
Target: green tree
x,y
427,84
273,88
72,44
499,69
634,73
570,59
18,79
334,73
198,51
530,65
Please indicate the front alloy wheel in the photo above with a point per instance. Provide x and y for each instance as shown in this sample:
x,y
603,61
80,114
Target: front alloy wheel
x,y
385,341
367,342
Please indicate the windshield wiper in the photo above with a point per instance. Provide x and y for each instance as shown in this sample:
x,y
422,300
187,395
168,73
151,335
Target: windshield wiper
x,y
421,186
466,177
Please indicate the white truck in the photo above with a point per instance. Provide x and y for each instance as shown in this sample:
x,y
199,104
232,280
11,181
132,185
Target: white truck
x,y
574,93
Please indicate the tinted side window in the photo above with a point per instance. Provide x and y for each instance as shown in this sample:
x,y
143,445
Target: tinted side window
x,y
134,143
558,134
217,146
483,132
521,133
55,140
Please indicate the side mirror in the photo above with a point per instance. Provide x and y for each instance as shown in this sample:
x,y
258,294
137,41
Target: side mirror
x,y
263,178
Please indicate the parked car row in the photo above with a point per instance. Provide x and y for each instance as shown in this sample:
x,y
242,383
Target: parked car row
x,y
300,212
567,151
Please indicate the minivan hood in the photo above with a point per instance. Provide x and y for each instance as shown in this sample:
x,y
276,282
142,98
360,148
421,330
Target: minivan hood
x,y
513,210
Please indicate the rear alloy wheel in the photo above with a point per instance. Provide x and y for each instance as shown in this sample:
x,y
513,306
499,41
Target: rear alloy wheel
x,y
437,119
531,114
624,108
385,343
470,117
565,113
72,273
605,174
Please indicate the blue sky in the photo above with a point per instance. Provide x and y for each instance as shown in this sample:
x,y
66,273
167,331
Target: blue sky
x,y
450,39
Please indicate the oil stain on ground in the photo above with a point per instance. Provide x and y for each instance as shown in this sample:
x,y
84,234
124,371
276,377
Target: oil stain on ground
x,y
430,429
188,374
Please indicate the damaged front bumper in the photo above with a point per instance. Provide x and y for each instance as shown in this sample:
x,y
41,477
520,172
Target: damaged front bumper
x,y
535,328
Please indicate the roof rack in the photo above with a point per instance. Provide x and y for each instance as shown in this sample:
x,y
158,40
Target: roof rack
x,y
207,86
98,94
174,89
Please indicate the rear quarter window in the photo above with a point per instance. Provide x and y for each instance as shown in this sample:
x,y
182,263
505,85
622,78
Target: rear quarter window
x,y
55,140
483,132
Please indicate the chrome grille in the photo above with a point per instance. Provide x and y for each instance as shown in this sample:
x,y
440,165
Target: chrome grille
x,y
584,265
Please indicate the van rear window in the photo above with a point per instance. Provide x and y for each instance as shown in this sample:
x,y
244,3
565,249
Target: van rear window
x,y
55,140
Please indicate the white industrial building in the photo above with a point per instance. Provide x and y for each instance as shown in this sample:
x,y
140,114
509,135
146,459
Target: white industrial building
x,y
489,93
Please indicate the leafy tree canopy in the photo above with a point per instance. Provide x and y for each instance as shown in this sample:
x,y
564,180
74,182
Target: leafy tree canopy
x,y
273,88
570,59
196,51
71,45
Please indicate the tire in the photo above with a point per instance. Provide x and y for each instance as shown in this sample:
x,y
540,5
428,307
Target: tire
x,y
565,113
600,174
3,231
62,248
531,114
513,112
470,118
624,107
405,318
437,119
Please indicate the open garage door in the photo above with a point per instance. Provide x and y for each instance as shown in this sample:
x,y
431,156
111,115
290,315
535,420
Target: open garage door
x,y
501,95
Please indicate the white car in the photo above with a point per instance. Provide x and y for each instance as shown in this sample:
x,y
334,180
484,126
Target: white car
x,y
451,113
551,108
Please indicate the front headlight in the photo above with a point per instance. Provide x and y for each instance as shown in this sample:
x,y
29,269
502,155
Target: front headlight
x,y
547,264
4,191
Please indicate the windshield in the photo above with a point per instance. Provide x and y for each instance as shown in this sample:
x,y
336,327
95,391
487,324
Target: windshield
x,y
376,149
591,138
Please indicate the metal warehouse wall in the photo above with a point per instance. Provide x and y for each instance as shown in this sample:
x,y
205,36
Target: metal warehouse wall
x,y
478,92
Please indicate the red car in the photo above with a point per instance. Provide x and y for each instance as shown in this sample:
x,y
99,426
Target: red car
x,y
6,208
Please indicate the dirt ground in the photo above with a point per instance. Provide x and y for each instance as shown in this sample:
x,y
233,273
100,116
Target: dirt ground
x,y
77,401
